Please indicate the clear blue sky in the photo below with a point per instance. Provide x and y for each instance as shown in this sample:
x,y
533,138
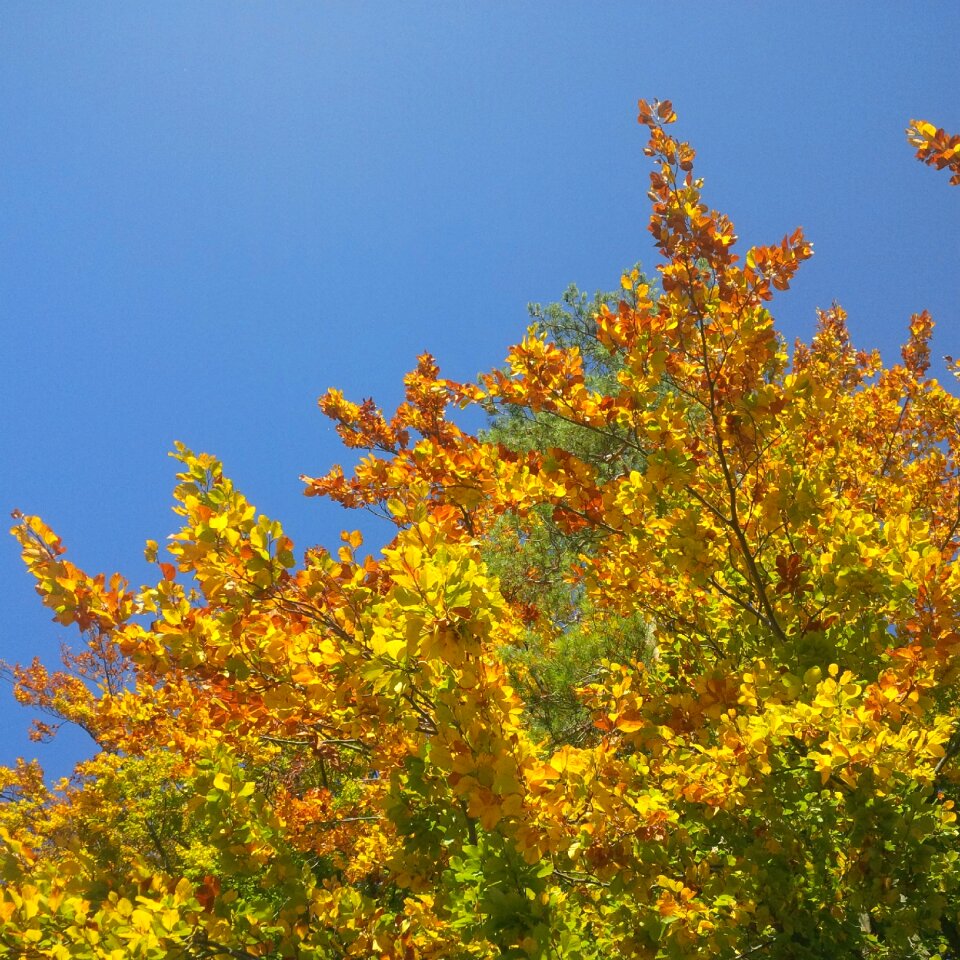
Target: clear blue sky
x,y
211,212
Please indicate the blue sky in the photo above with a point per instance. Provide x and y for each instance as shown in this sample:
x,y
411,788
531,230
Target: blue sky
x,y
209,213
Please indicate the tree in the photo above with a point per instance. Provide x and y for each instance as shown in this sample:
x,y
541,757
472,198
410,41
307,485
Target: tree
x,y
533,557
327,758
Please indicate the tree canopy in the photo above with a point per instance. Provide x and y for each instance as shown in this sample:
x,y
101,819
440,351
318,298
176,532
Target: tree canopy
x,y
662,665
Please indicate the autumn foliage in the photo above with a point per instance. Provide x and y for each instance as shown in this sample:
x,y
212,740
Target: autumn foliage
x,y
331,755
936,147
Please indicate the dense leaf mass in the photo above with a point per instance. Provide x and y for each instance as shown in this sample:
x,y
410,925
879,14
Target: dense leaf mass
x,y
664,664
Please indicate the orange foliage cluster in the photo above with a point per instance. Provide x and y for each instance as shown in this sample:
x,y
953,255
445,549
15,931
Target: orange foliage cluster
x,y
936,147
